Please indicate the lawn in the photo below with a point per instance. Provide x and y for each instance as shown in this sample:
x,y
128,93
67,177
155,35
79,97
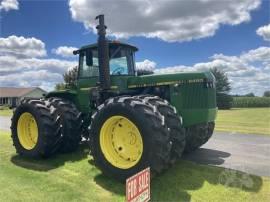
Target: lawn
x,y
244,120
73,177
5,112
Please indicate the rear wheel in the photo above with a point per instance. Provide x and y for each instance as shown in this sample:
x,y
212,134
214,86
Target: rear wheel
x,y
34,130
70,124
173,123
126,136
198,135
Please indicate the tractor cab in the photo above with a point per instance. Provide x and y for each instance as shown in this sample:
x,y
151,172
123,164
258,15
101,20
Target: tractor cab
x,y
121,60
105,59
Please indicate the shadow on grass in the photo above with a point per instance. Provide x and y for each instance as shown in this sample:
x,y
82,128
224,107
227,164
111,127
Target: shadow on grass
x,y
185,176
53,162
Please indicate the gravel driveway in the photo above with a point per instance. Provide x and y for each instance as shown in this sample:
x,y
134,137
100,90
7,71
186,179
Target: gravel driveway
x,y
248,153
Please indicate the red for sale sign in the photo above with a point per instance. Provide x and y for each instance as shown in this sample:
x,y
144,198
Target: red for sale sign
x,y
138,187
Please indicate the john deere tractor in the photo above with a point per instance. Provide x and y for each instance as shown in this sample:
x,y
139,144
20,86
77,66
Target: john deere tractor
x,y
131,121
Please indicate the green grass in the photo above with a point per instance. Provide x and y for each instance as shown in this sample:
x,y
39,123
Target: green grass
x,y
5,112
244,120
72,177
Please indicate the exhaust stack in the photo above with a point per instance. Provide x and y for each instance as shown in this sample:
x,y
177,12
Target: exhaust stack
x,y
103,55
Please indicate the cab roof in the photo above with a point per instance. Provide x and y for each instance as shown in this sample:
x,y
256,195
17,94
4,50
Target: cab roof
x,y
111,43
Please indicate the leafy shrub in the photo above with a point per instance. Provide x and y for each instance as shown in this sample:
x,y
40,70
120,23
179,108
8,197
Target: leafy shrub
x,y
251,102
223,87
224,101
266,93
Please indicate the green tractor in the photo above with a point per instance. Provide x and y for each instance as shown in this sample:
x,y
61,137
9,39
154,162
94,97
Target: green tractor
x,y
131,122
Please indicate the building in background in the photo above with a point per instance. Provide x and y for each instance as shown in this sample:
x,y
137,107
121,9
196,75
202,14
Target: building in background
x,y
12,96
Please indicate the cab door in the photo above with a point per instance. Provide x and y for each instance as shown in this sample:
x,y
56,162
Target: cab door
x,y
88,76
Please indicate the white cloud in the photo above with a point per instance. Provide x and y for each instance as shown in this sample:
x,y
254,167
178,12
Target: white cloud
x,y
264,31
64,51
146,65
248,72
9,5
168,20
20,65
22,47
40,78
10,64
32,71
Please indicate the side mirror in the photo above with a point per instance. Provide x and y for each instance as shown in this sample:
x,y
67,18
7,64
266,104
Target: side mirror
x,y
89,58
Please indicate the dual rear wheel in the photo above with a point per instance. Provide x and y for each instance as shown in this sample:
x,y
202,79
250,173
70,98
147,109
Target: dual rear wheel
x,y
42,127
128,134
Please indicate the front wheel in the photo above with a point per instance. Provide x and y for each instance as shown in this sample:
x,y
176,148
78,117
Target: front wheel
x,y
126,136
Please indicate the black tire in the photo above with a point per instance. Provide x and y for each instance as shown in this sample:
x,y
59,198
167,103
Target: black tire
x,y
70,124
173,123
156,143
198,135
48,140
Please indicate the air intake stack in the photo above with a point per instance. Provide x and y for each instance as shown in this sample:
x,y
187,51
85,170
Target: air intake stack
x,y
103,55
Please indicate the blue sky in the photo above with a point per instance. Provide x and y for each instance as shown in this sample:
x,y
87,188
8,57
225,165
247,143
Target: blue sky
x,y
51,22
62,23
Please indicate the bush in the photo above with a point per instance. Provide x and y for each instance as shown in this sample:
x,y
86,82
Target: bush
x,y
223,87
224,101
266,93
251,102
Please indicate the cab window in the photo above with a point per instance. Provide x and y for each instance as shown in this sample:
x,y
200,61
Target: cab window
x,y
121,62
89,70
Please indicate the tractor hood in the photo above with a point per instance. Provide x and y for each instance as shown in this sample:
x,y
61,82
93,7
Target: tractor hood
x,y
170,79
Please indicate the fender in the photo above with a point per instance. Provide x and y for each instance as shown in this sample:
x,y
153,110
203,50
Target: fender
x,y
65,94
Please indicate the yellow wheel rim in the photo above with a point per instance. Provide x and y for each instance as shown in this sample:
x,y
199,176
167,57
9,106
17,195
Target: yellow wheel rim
x,y
121,142
27,130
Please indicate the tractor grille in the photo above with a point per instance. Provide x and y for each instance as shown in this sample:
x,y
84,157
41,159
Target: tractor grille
x,y
197,95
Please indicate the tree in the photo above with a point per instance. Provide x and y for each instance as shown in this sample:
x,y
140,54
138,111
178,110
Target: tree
x,y
249,95
60,86
224,100
69,77
266,93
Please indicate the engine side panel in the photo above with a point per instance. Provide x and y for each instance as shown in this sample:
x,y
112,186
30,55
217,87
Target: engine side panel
x,y
192,94
195,101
